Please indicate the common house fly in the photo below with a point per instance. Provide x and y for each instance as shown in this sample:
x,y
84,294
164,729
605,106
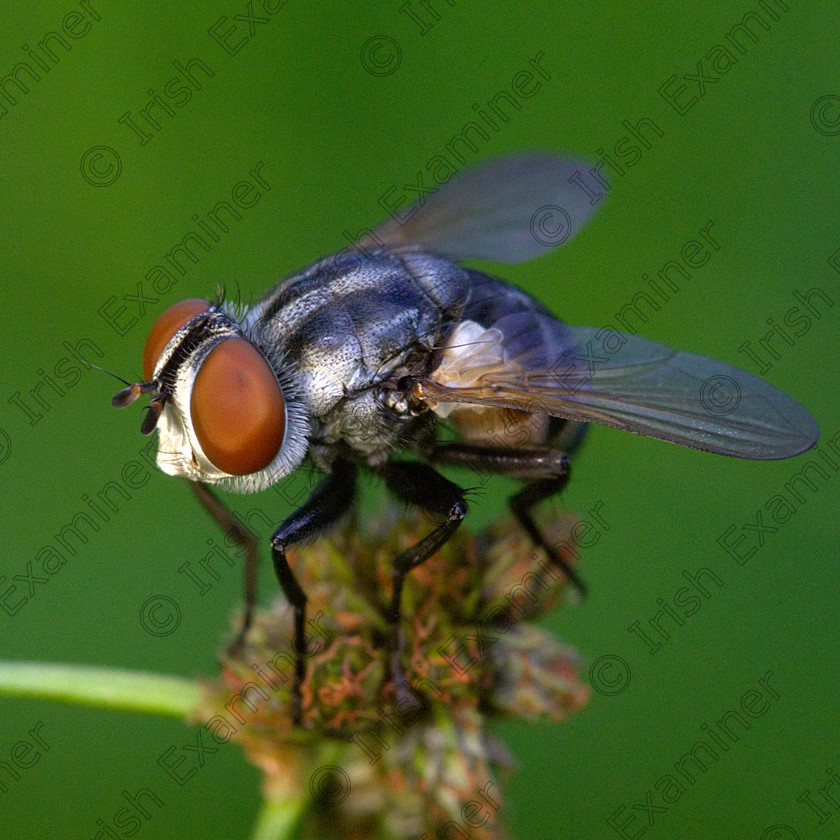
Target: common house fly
x,y
373,351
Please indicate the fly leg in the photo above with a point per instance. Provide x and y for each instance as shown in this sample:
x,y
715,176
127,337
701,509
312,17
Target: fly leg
x,y
230,525
417,484
521,504
328,501
546,471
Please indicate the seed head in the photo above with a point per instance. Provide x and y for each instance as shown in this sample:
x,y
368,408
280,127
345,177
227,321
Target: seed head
x,y
373,763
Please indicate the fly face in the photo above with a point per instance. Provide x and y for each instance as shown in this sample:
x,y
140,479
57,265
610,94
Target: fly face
x,y
223,414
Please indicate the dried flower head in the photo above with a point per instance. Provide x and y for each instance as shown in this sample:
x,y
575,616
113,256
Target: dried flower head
x,y
419,767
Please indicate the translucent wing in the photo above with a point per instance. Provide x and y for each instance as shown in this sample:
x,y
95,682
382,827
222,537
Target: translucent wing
x,y
508,210
533,362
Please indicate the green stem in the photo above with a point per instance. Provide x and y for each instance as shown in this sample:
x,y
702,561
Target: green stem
x,y
279,819
91,685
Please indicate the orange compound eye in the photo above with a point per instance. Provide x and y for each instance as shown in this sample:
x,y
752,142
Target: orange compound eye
x,y
165,327
237,409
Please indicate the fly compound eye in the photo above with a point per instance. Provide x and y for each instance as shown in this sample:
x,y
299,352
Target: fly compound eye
x,y
165,327
237,408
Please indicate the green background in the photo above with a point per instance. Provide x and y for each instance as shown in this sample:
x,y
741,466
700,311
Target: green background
x,y
333,138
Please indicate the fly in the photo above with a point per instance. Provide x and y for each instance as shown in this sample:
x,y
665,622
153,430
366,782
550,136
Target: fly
x,y
371,352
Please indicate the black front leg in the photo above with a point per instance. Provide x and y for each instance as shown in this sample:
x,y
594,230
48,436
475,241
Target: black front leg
x,y
230,525
418,484
328,501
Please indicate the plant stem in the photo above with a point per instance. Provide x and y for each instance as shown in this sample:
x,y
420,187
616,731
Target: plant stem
x,y
92,685
280,818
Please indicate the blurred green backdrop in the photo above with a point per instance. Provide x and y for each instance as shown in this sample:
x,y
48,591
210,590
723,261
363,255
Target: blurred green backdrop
x,y
751,143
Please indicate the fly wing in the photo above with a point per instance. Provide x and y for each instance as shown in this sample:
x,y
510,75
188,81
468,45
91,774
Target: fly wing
x,y
535,363
510,210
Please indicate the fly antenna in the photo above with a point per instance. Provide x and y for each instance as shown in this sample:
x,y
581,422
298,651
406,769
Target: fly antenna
x,y
128,395
105,370
153,412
